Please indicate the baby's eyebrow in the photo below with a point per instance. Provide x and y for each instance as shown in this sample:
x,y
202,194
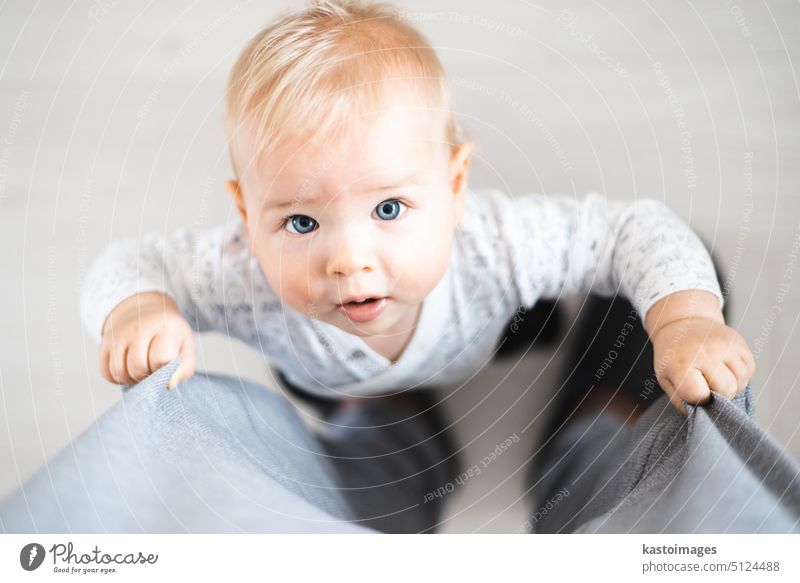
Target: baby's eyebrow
x,y
410,180
283,204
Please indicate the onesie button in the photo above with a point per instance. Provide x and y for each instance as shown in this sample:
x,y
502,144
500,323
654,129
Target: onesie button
x,y
357,354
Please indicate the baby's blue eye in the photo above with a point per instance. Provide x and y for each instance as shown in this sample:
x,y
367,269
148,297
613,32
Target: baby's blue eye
x,y
389,210
301,223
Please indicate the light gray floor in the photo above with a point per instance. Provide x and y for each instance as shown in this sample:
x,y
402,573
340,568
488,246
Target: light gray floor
x,y
110,127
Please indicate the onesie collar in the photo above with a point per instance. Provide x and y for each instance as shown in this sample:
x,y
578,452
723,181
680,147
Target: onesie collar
x,y
373,369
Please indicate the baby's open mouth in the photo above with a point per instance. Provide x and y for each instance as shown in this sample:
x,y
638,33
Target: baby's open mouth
x,y
361,300
367,301
363,310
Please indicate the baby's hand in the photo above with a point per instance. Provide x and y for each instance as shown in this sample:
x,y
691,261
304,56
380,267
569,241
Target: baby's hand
x,y
143,333
696,355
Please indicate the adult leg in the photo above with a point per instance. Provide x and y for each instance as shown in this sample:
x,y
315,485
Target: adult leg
x,y
216,454
713,471
390,455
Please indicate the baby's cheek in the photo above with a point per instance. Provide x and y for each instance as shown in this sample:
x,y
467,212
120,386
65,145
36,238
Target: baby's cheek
x,y
297,285
421,260
290,280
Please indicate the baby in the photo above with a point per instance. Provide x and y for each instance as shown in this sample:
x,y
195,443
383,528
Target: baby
x,y
362,263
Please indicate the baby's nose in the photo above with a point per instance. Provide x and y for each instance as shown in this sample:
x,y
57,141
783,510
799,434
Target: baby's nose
x,y
351,255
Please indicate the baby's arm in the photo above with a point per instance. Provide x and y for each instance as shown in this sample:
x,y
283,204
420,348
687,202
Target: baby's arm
x,y
643,251
694,351
142,299
639,249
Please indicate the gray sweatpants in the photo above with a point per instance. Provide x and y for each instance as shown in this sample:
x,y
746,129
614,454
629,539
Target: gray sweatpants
x,y
221,454
715,470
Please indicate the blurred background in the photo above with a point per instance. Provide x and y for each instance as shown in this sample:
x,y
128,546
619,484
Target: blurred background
x,y
110,126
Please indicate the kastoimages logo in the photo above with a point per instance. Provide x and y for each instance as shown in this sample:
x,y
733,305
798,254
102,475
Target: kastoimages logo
x,y
31,556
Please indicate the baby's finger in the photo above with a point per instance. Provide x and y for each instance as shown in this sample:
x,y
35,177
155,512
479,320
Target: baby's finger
x,y
119,367
750,363
103,359
164,347
721,379
672,393
739,370
692,386
186,368
137,362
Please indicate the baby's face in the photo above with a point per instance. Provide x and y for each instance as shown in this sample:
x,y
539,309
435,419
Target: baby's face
x,y
372,216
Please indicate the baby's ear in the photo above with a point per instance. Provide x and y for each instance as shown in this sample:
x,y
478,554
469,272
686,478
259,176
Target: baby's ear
x,y
238,199
459,166
458,174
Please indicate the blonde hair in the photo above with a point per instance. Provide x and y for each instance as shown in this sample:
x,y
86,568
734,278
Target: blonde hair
x,y
317,69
